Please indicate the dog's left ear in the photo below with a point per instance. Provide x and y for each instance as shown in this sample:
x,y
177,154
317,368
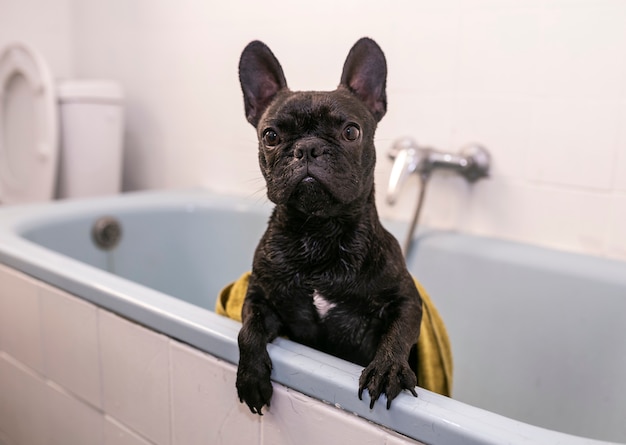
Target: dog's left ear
x,y
365,74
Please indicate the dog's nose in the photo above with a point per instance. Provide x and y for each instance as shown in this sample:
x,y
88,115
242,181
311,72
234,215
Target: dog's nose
x,y
308,149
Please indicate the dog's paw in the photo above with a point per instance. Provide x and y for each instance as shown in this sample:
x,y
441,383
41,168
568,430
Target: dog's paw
x,y
387,377
254,387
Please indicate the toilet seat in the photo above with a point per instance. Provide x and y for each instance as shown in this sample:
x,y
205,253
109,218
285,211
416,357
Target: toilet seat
x,y
29,148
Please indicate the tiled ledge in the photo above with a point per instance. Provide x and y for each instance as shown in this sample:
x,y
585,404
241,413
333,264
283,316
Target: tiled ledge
x,y
71,372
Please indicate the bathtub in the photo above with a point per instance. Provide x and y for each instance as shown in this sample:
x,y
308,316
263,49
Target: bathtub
x,y
123,346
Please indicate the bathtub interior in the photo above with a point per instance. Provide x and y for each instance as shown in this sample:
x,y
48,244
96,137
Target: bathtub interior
x,y
537,335
189,253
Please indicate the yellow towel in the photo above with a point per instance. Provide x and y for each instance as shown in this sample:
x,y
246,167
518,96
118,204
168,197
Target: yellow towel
x,y
434,356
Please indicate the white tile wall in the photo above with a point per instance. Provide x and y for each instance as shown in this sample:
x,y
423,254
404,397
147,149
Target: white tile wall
x,y
297,419
49,30
4,440
205,407
135,376
498,50
24,418
20,327
117,434
557,216
617,240
70,343
541,83
433,36
573,143
153,390
503,125
69,420
575,64
619,173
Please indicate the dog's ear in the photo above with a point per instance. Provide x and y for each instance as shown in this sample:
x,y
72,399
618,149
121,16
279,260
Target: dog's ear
x,y
365,74
261,77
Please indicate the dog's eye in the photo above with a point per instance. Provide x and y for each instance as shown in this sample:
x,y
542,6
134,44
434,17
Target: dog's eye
x,y
351,133
270,137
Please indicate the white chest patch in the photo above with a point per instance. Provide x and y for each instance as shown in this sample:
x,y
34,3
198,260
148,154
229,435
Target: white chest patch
x,y
322,304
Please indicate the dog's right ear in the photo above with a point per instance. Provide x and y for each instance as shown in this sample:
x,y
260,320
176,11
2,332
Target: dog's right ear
x,y
261,77
365,74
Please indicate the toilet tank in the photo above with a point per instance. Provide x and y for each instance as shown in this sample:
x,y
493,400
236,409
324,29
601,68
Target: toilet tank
x,y
92,125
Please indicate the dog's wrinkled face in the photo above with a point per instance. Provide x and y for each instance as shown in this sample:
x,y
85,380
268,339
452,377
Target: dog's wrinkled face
x,y
316,149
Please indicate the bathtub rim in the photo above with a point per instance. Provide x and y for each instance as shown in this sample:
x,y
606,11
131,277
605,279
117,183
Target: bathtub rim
x,y
430,418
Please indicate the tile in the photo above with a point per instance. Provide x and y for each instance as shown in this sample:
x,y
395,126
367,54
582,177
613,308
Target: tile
x,y
605,4
423,53
426,117
71,421
33,412
20,332
499,4
296,418
555,217
444,202
573,143
23,407
4,440
617,231
9,398
418,6
117,434
135,376
582,54
498,51
205,407
619,179
70,343
500,125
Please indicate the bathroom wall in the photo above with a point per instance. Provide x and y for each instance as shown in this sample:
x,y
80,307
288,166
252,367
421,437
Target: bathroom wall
x,y
540,83
44,25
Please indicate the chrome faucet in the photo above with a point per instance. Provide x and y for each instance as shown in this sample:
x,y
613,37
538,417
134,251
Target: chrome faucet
x,y
472,162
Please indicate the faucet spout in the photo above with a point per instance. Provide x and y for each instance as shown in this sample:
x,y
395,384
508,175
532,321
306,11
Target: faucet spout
x,y
408,159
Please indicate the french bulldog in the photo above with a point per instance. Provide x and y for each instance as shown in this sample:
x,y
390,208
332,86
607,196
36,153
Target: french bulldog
x,y
325,273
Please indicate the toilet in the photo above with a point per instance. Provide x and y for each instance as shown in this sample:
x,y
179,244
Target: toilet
x,y
57,139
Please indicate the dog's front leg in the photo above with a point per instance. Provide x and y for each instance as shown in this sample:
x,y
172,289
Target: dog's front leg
x,y
260,326
389,371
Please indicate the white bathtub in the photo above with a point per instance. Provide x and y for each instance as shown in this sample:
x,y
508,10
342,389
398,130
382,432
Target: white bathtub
x,y
539,337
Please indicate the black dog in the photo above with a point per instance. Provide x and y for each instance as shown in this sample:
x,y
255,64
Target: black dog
x,y
325,273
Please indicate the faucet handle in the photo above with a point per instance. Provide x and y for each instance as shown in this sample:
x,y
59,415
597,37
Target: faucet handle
x,y
478,162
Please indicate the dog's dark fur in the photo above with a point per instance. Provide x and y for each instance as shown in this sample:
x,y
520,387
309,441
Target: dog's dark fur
x,y
325,273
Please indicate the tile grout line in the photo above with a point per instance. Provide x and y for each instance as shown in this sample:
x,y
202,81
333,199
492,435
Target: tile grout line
x,y
170,377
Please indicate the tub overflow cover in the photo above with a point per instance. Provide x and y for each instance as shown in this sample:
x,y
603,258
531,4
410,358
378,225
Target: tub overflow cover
x,y
106,232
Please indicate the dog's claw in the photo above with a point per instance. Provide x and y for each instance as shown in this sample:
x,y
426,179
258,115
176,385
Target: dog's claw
x,y
373,401
255,409
388,378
